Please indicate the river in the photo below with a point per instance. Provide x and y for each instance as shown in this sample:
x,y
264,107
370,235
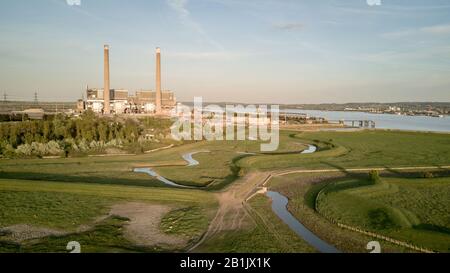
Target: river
x,y
385,121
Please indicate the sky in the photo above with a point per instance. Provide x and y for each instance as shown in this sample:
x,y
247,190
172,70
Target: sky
x,y
254,51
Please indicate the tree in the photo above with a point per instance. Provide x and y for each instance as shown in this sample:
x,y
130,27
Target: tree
x,y
46,131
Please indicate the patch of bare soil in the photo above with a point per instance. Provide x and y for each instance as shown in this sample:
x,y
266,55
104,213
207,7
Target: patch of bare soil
x,y
20,233
143,227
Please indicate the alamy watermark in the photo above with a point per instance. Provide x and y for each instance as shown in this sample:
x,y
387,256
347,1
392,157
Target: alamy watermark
x,y
374,2
74,247
73,2
234,122
374,247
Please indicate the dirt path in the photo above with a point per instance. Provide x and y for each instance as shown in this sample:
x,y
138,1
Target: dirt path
x,y
418,168
20,233
143,228
231,212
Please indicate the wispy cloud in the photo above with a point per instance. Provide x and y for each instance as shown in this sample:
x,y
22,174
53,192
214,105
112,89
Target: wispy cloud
x,y
398,34
439,29
289,26
211,55
180,7
184,15
422,57
388,8
430,30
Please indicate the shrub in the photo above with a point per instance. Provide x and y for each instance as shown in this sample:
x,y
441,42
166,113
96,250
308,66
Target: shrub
x,y
83,146
24,149
39,149
380,219
374,176
53,148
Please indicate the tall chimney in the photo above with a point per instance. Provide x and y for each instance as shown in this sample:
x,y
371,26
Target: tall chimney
x,y
158,82
106,87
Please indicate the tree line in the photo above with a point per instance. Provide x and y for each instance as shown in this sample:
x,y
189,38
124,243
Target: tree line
x,y
69,133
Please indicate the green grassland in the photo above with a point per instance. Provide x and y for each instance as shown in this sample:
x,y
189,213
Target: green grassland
x,y
106,237
188,222
412,210
217,168
59,210
67,206
225,162
362,149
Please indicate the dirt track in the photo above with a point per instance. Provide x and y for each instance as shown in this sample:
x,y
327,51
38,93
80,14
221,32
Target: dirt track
x,y
232,213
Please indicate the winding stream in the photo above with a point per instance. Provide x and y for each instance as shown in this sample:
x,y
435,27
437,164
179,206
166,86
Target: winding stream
x,y
166,181
280,208
311,149
191,162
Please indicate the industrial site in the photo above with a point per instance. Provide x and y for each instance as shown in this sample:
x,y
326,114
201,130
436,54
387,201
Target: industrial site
x,y
108,100
156,102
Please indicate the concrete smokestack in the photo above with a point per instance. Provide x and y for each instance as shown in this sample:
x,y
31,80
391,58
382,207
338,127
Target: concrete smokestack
x,y
106,86
158,82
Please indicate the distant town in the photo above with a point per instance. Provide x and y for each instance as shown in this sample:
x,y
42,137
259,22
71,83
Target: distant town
x,y
431,109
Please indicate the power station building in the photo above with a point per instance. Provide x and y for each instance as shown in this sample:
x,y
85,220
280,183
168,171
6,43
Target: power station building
x,y
120,101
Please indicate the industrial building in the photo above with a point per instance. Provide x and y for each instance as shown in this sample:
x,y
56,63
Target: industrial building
x,y
120,101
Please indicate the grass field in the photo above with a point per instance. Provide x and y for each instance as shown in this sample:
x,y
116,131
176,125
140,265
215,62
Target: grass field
x,y
189,222
412,210
106,237
217,168
65,207
362,149
224,163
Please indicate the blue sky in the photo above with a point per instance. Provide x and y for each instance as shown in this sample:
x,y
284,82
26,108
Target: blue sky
x,y
263,51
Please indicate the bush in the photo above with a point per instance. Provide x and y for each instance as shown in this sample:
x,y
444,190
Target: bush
x,y
374,176
39,149
9,151
24,150
53,148
83,146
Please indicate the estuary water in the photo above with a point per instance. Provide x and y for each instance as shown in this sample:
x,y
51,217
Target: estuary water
x,y
385,121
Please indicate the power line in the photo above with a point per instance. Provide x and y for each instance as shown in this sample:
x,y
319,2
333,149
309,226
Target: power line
x,y
36,97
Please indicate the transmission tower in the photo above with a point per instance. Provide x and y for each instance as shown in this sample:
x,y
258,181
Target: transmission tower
x,y
36,98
